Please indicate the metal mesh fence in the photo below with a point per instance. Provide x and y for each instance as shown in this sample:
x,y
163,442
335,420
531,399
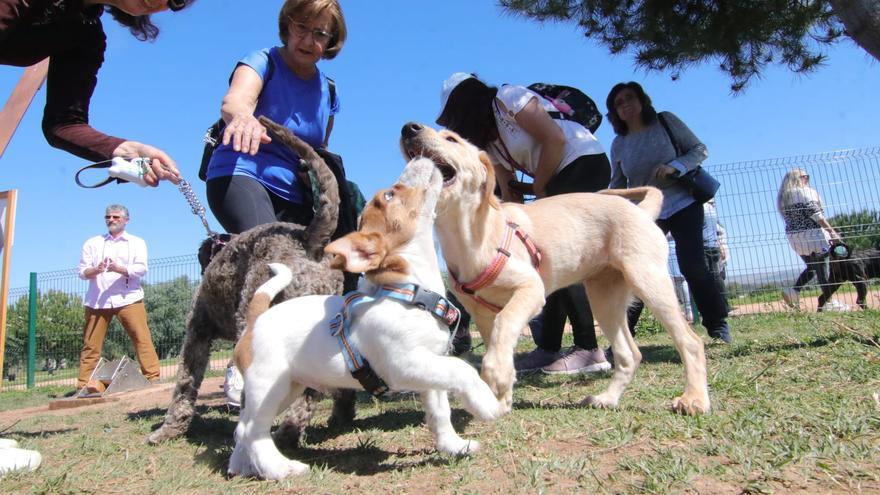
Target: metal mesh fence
x,y
168,290
760,265
761,262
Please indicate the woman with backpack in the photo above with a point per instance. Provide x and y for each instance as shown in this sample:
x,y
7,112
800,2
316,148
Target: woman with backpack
x,y
643,153
514,125
250,179
70,33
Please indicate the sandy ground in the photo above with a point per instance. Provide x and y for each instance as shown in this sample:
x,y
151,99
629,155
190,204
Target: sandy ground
x,y
806,304
155,396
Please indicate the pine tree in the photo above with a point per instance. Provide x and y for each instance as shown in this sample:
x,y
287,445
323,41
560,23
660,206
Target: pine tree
x,y
743,36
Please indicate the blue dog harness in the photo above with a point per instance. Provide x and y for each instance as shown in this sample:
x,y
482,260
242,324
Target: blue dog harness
x,y
409,294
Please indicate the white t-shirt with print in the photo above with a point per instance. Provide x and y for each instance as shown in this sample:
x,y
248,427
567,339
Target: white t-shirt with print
x,y
519,146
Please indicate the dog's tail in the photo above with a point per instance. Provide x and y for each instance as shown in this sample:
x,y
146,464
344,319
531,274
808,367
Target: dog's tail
x,y
327,203
260,302
650,199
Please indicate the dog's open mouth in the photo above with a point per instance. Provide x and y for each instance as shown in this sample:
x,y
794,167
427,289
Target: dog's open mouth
x,y
446,170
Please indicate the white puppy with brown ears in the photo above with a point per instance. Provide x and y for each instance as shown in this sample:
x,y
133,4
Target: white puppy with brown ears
x,y
290,346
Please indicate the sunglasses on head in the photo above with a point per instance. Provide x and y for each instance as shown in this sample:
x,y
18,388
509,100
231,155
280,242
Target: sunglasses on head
x,y
176,5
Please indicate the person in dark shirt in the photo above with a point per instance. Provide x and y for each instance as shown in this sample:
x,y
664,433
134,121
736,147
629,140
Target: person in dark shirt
x,y
70,33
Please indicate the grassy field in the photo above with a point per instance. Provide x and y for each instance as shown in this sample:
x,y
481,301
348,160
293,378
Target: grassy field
x,y
795,411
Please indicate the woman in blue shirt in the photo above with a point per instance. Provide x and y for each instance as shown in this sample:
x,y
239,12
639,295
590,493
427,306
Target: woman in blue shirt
x,y
251,180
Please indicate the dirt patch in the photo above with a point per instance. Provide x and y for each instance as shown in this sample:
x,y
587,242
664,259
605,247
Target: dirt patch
x,y
156,396
809,304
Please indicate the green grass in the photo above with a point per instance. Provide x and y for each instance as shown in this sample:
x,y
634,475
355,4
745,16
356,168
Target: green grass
x,y
792,412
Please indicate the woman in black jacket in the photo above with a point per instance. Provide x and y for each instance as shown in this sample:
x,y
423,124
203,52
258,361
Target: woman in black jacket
x,y
70,33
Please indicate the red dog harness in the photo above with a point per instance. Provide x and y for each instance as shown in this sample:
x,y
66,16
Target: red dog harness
x,y
491,272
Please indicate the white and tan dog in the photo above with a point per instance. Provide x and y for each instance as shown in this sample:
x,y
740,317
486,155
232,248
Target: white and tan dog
x,y
289,347
602,240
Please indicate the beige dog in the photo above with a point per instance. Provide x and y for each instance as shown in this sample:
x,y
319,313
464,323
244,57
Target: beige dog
x,y
602,240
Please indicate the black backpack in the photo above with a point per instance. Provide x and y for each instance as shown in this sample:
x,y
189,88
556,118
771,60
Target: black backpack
x,y
214,134
571,103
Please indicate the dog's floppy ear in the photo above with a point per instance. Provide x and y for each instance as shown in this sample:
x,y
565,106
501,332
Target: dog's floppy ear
x,y
489,192
357,252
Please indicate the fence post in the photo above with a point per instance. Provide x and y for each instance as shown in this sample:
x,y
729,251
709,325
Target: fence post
x,y
32,332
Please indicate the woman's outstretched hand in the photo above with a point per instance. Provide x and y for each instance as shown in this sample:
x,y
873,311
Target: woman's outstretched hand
x,y
245,134
162,167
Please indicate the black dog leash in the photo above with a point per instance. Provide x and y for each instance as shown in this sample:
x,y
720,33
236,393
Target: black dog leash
x,y
119,170
122,171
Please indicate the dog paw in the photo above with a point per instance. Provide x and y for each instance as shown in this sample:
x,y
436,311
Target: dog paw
x,y
690,406
458,446
506,401
500,380
162,434
290,468
601,401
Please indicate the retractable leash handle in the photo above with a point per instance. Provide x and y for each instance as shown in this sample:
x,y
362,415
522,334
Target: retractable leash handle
x,y
120,170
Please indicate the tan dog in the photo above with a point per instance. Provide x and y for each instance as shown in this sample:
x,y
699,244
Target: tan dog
x,y
602,240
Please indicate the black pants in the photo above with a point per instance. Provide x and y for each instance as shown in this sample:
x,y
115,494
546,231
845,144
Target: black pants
x,y
686,227
817,265
589,173
241,203
713,260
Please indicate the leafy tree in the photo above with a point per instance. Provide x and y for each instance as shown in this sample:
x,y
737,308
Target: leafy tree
x,y
59,329
859,229
743,36
60,321
167,305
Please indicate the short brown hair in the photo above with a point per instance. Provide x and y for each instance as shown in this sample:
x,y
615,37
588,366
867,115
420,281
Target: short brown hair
x,y
307,9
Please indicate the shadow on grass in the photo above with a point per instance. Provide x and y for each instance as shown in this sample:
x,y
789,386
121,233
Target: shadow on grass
x,y
368,460
39,434
749,349
212,429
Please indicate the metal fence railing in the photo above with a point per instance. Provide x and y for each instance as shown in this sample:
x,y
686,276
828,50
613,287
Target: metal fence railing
x,y
761,261
58,322
760,265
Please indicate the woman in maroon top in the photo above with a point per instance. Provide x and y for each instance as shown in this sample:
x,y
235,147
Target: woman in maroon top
x,y
71,34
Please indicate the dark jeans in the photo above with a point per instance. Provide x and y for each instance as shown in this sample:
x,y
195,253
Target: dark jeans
x,y
817,265
241,203
461,340
686,227
713,258
589,173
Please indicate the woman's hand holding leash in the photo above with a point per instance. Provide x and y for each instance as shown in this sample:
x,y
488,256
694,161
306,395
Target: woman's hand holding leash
x,y
161,166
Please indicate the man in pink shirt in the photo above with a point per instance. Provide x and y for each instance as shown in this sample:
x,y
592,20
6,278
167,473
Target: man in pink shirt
x,y
114,264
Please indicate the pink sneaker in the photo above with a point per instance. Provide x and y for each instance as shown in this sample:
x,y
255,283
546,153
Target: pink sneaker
x,y
576,360
533,360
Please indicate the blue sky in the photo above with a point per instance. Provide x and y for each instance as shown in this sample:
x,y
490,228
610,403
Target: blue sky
x,y
398,53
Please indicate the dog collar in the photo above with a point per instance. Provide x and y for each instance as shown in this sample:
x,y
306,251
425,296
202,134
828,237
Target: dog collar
x,y
410,294
502,254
